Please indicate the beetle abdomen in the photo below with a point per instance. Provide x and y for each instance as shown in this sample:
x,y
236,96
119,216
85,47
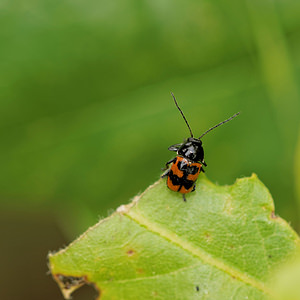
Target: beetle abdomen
x,y
183,175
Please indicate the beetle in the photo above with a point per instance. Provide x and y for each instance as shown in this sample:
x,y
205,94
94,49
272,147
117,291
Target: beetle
x,y
189,162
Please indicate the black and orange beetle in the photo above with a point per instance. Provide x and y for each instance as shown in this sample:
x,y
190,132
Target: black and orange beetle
x,y
189,162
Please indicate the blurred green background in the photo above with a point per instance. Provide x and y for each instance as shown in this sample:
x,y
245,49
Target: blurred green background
x,y
86,115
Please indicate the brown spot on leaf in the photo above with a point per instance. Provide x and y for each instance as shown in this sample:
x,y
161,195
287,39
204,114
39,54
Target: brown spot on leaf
x,y
273,216
154,294
130,252
140,271
207,236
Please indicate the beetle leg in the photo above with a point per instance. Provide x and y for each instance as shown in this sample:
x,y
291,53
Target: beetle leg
x,y
184,199
165,174
194,188
169,162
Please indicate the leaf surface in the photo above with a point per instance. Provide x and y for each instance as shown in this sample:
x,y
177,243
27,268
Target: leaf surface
x,y
223,243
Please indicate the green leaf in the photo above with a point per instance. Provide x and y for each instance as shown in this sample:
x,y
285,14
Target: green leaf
x,y
223,243
287,281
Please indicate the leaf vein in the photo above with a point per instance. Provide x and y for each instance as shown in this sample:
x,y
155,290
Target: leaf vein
x,y
197,252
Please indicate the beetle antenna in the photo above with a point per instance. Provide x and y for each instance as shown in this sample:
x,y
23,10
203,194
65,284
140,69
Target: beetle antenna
x,y
218,125
182,115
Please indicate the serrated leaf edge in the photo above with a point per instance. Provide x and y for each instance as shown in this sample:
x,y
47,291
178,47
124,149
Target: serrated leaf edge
x,y
125,210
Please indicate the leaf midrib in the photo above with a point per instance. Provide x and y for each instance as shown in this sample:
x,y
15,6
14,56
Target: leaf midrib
x,y
197,252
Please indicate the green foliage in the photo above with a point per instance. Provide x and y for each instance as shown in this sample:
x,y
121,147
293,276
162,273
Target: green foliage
x,y
297,169
86,116
223,243
87,82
